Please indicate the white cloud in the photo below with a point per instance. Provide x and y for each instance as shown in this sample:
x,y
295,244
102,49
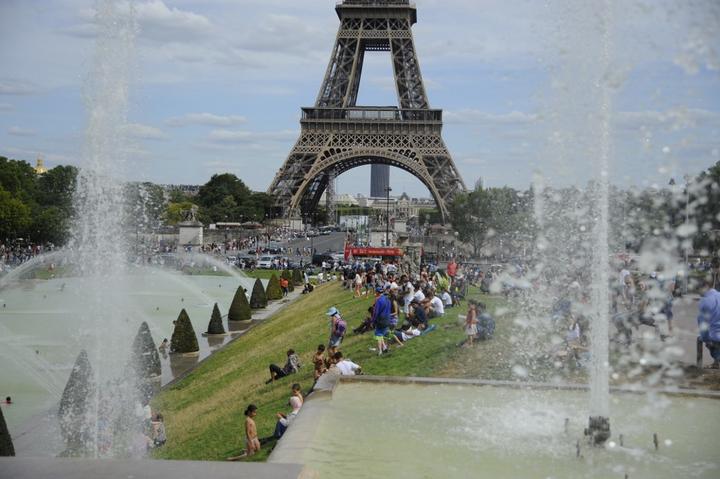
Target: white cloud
x,y
144,132
244,136
482,117
17,131
16,87
206,119
676,119
158,22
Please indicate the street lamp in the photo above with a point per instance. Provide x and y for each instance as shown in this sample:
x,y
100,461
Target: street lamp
x,y
387,215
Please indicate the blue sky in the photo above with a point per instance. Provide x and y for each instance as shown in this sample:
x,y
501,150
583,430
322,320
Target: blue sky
x,y
218,86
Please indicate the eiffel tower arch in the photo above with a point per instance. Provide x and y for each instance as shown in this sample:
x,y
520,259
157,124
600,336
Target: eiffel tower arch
x,y
337,135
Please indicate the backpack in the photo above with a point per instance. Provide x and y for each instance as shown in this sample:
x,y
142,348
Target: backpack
x,y
340,327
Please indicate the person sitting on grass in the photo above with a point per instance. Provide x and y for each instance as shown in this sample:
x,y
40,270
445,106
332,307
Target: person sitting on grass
x,y
485,323
417,314
319,362
295,402
344,366
252,443
158,430
291,366
401,335
366,325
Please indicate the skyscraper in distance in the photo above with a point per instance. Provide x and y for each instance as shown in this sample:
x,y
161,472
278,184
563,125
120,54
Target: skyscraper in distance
x,y
379,180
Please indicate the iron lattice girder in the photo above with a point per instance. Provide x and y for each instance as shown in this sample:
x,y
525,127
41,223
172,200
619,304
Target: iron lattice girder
x,y
337,136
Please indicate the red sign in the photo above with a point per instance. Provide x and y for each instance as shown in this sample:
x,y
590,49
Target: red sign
x,y
351,251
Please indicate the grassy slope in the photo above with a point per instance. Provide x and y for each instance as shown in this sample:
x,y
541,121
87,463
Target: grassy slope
x,y
204,412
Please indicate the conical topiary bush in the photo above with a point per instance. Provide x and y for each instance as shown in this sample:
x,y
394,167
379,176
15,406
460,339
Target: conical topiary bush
x,y
258,299
6,445
239,308
273,291
183,338
287,274
145,357
215,326
77,404
297,277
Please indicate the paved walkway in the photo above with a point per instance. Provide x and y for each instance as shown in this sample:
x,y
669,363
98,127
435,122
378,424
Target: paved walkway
x,y
37,468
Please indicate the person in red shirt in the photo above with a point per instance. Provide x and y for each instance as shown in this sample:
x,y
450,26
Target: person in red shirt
x,y
452,269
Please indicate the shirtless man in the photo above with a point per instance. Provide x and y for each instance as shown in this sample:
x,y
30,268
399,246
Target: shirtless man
x,y
252,443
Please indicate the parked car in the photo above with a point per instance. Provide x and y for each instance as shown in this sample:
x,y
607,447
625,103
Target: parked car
x,y
265,262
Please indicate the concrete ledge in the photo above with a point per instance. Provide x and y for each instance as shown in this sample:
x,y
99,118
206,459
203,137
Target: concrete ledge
x,y
41,468
701,393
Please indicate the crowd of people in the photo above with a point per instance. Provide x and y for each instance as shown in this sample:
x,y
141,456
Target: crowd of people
x,y
15,253
403,308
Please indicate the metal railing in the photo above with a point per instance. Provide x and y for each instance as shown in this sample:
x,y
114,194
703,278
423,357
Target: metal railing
x,y
371,114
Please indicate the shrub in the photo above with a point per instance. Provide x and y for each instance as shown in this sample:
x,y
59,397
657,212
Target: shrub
x,y
6,445
77,400
297,277
273,291
145,357
287,274
239,308
215,326
183,337
258,299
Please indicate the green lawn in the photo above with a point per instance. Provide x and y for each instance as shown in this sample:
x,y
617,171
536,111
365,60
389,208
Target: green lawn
x,y
204,412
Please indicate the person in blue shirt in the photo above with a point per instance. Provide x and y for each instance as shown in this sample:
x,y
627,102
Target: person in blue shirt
x,y
709,320
381,318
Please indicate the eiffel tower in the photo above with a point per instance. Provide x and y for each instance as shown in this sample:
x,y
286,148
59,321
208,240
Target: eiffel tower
x,y
337,135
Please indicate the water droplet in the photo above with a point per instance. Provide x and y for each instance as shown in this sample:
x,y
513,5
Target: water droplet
x,y
668,442
666,149
611,444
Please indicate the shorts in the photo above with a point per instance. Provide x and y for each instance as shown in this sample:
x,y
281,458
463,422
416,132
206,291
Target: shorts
x,y
380,333
335,341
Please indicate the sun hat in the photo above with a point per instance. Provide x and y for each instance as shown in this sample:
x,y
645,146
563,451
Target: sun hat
x,y
332,311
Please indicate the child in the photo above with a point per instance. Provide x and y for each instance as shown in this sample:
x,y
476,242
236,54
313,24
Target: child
x,y
252,443
471,322
319,362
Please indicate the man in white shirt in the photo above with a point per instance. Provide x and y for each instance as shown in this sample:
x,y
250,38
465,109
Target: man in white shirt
x,y
345,366
438,309
446,298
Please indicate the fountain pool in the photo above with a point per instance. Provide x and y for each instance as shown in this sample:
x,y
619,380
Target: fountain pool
x,y
384,429
42,328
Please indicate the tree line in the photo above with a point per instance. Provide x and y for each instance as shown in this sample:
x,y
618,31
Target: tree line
x,y
685,215
38,208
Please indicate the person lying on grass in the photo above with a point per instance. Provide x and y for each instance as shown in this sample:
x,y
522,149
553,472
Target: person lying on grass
x,y
291,366
399,336
344,366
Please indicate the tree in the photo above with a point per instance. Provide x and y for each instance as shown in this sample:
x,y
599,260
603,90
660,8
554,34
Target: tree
x,y
239,308
258,299
183,338
14,216
215,326
707,213
77,404
6,444
297,277
273,291
145,357
470,214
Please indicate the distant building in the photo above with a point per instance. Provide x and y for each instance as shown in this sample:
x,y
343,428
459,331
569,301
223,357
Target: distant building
x,y
379,180
40,166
